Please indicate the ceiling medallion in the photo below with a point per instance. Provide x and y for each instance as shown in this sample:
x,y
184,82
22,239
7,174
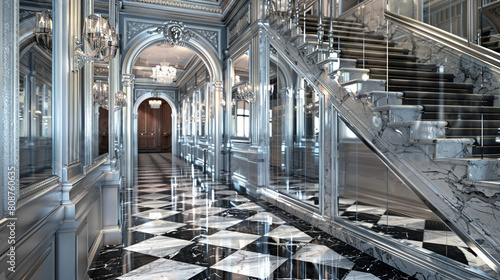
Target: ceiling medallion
x,y
174,31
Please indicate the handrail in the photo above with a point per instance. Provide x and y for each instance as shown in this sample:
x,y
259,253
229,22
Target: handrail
x,y
455,42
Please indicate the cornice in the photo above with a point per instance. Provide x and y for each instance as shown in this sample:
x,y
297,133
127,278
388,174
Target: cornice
x,y
184,5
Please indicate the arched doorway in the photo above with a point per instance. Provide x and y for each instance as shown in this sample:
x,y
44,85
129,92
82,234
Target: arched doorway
x,y
154,126
209,56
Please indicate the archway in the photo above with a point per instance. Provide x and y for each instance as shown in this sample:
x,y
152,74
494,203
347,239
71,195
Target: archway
x,y
208,55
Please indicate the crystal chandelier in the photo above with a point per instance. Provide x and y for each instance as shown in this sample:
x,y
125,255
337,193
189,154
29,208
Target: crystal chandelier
x,y
164,73
43,29
155,104
244,92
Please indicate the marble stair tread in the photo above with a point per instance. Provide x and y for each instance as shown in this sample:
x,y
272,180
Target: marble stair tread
x,y
463,141
433,84
412,123
422,101
412,74
312,18
403,65
489,44
447,95
345,33
489,188
312,38
336,26
495,123
462,109
359,54
470,161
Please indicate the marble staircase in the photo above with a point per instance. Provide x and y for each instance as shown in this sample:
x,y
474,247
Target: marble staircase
x,y
457,129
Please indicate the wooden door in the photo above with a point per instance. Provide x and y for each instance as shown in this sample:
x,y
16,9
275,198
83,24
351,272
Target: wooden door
x,y
154,128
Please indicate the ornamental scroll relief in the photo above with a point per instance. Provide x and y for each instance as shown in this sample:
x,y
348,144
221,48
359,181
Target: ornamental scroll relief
x,y
175,32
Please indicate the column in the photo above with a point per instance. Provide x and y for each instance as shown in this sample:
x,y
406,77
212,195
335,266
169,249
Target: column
x,y
9,108
128,87
218,92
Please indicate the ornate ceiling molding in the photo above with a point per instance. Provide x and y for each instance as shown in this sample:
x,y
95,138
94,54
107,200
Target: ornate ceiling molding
x,y
191,6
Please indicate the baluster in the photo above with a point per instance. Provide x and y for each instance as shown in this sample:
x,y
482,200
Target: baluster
x,y
296,16
320,24
330,34
289,14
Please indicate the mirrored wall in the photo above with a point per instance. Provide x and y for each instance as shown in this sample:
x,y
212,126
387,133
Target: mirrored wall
x,y
242,95
35,97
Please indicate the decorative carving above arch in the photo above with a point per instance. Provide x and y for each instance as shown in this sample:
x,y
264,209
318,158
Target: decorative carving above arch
x,y
170,93
175,32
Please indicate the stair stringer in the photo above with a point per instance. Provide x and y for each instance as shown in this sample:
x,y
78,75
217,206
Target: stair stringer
x,y
473,215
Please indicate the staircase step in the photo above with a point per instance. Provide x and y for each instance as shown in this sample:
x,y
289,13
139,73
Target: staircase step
x,y
411,74
472,132
346,33
474,123
370,47
311,18
421,101
486,151
488,188
445,95
422,129
336,26
462,109
348,39
382,98
453,116
367,54
477,169
489,44
445,148
399,113
496,49
403,65
431,84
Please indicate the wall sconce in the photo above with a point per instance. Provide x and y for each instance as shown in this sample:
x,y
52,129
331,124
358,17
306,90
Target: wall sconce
x,y
101,39
100,91
43,29
244,92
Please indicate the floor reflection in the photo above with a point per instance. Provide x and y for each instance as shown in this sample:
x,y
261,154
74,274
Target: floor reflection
x,y
177,224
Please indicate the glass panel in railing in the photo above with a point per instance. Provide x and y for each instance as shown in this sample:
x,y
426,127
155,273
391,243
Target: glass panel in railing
x,y
489,25
362,182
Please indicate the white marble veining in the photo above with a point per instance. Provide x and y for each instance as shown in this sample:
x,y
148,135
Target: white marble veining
x,y
289,233
236,197
216,222
229,239
321,254
155,214
251,264
163,269
250,206
443,237
357,275
157,227
266,217
405,222
159,246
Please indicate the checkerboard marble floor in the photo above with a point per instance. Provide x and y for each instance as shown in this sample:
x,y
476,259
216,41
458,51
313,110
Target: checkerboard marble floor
x,y
431,235
178,224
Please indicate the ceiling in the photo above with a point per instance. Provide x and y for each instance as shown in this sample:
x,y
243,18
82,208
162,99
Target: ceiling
x,y
176,56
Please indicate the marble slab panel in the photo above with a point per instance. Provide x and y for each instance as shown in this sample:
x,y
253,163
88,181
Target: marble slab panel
x,y
163,269
321,254
155,214
157,227
266,217
229,239
216,222
159,246
290,233
250,206
250,263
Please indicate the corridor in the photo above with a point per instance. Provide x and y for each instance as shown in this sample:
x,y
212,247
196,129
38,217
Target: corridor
x,y
178,224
